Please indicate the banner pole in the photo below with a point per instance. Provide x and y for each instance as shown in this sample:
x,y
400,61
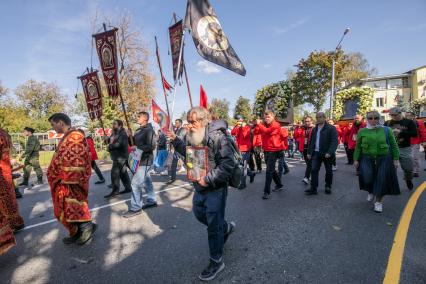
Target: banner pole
x,y
178,71
157,51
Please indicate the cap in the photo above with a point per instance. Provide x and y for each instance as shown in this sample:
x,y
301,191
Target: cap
x,y
395,110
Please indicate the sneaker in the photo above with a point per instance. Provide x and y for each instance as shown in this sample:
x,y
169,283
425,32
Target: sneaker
x,y
100,181
278,188
370,197
131,213
230,230
211,271
311,191
410,184
265,196
305,180
334,168
149,205
378,207
165,173
86,234
327,190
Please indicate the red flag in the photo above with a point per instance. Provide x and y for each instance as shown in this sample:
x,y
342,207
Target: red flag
x,y
160,116
203,97
167,85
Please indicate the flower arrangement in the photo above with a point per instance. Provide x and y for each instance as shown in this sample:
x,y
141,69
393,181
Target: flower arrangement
x,y
278,95
364,94
417,104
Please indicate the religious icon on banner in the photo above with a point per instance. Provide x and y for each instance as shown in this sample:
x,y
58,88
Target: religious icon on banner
x,y
197,160
160,116
106,47
92,94
175,33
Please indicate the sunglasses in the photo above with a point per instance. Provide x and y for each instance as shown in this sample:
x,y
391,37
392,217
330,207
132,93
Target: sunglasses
x,y
373,117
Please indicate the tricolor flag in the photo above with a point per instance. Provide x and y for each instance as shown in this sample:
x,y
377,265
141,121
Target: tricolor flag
x,y
160,116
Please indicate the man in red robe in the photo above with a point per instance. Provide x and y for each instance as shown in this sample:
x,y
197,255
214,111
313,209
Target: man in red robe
x,y
10,220
68,176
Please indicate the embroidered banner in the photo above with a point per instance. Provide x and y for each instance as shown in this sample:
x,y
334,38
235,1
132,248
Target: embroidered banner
x,y
93,94
160,116
176,32
106,46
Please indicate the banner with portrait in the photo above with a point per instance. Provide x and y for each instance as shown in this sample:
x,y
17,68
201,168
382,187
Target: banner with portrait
x,y
175,33
92,94
106,47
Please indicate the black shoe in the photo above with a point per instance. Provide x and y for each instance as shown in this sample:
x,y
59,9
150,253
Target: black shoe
x,y
410,184
17,193
311,192
286,171
265,196
278,188
40,182
24,183
170,181
109,185
71,239
86,233
327,190
112,194
125,191
100,181
416,175
18,228
211,271
130,213
230,230
252,177
149,205
242,186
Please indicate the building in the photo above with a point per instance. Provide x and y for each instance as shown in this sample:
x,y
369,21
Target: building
x,y
391,89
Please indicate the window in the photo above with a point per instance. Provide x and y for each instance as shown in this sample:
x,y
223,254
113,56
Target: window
x,y
395,83
379,102
405,83
381,84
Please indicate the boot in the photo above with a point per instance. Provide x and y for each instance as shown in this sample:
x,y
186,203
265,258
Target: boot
x,y
24,183
39,181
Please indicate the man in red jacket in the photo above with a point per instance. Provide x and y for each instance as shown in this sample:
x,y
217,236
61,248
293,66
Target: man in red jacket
x,y
273,149
345,139
256,150
416,141
282,165
358,124
94,155
241,132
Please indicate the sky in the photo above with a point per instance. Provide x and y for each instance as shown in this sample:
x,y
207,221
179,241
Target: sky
x,y
50,40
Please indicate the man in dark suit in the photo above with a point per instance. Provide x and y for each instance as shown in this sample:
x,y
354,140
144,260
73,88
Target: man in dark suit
x,y
322,148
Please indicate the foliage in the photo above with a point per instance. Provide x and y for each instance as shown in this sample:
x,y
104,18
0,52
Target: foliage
x,y
3,90
364,94
13,118
417,104
278,95
357,67
219,109
243,108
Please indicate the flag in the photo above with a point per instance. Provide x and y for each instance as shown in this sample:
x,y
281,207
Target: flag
x,y
176,33
166,85
106,46
203,97
209,38
160,116
92,94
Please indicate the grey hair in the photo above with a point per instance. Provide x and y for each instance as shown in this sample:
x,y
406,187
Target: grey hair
x,y
203,115
373,112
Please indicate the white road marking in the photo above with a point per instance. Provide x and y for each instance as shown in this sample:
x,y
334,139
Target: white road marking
x,y
104,206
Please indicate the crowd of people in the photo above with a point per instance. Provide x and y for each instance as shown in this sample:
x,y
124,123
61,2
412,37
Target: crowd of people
x,y
375,149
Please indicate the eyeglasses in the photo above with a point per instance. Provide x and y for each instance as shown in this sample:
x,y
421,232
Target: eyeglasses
x,y
373,117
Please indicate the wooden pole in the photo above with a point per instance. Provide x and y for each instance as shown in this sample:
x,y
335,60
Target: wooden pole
x,y
157,51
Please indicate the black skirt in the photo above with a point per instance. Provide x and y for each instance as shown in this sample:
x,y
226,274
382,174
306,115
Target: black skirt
x,y
378,175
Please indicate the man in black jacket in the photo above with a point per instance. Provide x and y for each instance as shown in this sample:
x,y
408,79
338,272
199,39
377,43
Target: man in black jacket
x,y
322,148
211,189
118,145
180,133
144,139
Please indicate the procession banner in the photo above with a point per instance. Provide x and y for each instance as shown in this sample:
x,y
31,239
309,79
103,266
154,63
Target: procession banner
x,y
160,116
92,93
209,37
175,33
106,47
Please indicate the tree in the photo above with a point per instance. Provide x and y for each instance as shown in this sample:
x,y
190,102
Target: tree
x,y
243,108
357,67
219,109
3,90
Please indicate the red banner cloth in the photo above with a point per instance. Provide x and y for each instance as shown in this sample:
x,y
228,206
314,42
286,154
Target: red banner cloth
x,y
203,97
166,84
93,94
175,33
106,46
160,116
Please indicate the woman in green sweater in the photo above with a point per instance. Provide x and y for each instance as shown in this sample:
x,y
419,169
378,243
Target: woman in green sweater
x,y
376,156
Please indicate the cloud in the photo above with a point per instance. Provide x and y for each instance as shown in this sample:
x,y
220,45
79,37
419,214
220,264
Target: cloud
x,y
206,67
283,30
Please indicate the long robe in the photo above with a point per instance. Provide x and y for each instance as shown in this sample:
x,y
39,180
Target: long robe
x,y
68,176
9,212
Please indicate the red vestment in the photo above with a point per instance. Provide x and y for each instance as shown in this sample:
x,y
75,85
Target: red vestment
x,y
68,176
9,212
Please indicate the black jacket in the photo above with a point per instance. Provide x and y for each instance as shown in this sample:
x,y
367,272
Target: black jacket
x,y
221,161
118,146
145,140
328,140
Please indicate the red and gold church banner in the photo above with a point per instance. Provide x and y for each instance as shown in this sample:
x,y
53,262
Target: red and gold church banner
x,y
92,93
106,46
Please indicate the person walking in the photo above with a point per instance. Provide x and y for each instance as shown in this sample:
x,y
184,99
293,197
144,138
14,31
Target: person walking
x,y
321,149
211,190
403,129
303,135
272,145
118,145
31,156
345,140
180,132
282,164
161,157
376,156
256,152
416,142
339,133
145,140
94,156
357,125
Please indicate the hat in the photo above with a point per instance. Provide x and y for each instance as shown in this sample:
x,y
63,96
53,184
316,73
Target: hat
x,y
395,110
29,129
238,117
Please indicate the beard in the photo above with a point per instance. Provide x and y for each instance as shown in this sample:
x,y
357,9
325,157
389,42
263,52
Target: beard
x,y
195,138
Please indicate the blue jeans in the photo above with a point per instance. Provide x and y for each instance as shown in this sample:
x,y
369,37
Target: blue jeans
x,y
209,209
282,165
142,178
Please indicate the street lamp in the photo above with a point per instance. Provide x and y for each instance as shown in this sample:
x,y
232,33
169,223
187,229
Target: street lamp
x,y
332,71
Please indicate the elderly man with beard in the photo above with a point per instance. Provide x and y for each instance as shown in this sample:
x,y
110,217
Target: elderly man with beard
x,y
210,190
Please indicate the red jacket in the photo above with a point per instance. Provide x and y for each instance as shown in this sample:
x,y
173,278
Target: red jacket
x,y
299,135
242,135
271,136
353,134
421,133
257,140
339,134
284,137
92,148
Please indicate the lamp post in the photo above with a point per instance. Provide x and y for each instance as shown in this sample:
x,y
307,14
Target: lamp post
x,y
332,71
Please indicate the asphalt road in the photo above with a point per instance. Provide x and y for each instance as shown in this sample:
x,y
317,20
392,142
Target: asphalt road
x,y
290,238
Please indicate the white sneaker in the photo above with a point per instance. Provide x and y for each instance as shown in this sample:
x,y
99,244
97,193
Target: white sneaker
x,y
334,168
378,207
305,180
370,197
164,173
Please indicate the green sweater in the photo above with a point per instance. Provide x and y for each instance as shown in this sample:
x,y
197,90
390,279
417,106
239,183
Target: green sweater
x,y
372,142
